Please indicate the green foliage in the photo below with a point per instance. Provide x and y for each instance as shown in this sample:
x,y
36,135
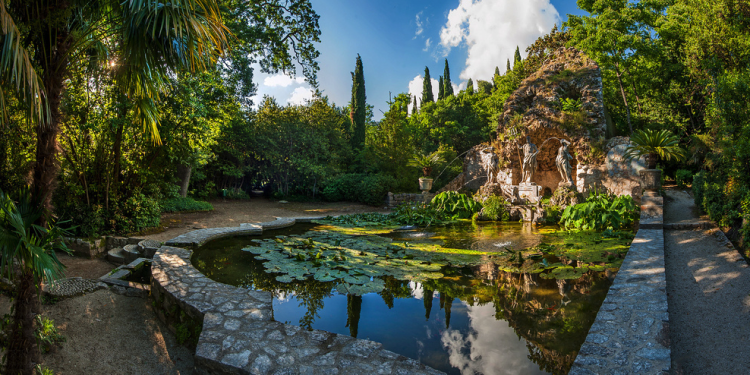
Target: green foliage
x,y
357,187
570,104
601,211
496,208
41,370
448,85
425,162
653,143
419,214
455,205
47,334
427,95
185,204
358,107
683,177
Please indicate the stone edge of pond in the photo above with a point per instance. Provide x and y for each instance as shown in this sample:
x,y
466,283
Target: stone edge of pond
x,y
238,334
631,332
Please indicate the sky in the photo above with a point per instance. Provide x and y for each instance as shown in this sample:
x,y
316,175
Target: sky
x,y
397,39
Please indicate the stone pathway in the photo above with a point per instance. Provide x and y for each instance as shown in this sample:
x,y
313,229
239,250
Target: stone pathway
x,y
708,283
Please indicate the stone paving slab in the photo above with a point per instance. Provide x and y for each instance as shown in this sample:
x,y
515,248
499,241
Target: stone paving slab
x,y
631,332
201,236
239,335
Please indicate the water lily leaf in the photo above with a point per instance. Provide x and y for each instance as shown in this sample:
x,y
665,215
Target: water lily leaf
x,y
284,279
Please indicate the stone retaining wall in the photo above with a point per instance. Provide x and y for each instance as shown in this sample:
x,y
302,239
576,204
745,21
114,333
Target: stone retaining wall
x,y
394,200
631,332
238,334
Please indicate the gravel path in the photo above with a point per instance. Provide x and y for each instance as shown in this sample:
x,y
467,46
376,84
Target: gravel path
x,y
708,283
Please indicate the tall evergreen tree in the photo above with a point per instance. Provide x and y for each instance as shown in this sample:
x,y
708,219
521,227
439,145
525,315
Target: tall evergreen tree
x,y
414,107
517,56
470,87
441,88
448,85
358,113
427,95
497,71
507,67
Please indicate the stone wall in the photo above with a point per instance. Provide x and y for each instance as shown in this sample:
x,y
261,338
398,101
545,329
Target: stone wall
x,y
616,175
393,200
86,248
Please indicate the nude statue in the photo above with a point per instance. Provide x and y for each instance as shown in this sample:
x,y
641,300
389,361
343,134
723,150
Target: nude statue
x,y
563,162
530,151
490,161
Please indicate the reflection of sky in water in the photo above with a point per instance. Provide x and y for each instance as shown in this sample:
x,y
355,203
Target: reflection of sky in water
x,y
475,343
489,346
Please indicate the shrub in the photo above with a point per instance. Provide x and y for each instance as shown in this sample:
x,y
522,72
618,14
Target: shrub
x,y
455,204
373,189
419,214
683,177
699,180
496,208
185,204
601,211
342,187
358,187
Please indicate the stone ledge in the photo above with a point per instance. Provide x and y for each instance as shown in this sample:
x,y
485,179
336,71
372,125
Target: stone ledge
x,y
239,336
201,236
631,332
686,226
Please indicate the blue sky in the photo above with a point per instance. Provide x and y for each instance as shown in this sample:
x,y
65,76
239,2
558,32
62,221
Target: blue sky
x,y
398,38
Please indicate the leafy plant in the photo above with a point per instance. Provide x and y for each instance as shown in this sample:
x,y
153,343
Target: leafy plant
x,y
683,177
570,105
185,204
425,162
419,214
496,208
655,143
46,334
455,205
601,211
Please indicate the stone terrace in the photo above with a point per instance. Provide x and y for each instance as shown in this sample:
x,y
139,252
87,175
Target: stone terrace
x,y
239,336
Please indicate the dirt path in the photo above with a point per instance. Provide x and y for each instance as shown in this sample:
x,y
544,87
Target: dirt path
x,y
255,210
709,306
107,333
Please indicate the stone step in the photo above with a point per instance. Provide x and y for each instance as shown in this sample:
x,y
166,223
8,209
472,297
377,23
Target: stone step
x,y
116,256
149,248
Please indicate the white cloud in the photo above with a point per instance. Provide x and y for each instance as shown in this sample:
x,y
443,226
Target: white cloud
x,y
415,89
420,27
300,95
492,29
282,80
427,44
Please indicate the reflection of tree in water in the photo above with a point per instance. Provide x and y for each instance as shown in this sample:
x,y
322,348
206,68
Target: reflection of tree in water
x,y
553,316
353,310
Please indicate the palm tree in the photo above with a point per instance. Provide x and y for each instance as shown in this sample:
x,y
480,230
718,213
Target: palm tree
x,y
27,255
655,144
425,162
141,41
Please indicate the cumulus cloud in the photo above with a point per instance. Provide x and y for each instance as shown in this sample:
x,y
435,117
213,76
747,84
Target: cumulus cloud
x,y
420,26
492,29
282,80
300,95
415,88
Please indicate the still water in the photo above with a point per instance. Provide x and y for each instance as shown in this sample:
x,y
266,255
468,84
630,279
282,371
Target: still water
x,y
475,320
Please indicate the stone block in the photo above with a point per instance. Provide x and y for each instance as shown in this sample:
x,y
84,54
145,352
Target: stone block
x,y
85,248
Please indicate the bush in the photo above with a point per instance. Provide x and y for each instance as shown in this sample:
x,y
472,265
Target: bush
x,y
359,187
699,180
455,204
496,208
682,177
185,204
601,211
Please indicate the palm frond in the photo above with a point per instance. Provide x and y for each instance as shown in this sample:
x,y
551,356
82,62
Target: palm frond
x,y
17,71
662,143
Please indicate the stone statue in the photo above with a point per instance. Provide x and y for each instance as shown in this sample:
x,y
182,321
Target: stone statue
x,y
490,162
563,162
530,151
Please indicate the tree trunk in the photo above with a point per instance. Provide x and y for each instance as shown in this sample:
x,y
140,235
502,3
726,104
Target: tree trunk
x,y
23,353
183,173
624,97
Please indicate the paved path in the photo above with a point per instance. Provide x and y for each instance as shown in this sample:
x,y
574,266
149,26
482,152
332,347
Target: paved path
x,y
708,286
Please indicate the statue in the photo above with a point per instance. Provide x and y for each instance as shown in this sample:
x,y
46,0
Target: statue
x,y
530,151
563,162
490,162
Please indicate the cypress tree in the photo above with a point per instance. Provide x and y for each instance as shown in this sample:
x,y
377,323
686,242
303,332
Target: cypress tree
x,y
358,114
441,89
507,67
448,90
497,70
414,107
427,95
517,56
470,87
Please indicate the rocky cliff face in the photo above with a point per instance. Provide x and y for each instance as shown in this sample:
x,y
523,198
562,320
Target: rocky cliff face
x,y
562,100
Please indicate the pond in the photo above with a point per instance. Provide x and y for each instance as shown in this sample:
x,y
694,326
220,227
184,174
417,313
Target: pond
x,y
487,298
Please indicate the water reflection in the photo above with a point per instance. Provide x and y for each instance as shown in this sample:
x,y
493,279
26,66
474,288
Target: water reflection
x,y
472,321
